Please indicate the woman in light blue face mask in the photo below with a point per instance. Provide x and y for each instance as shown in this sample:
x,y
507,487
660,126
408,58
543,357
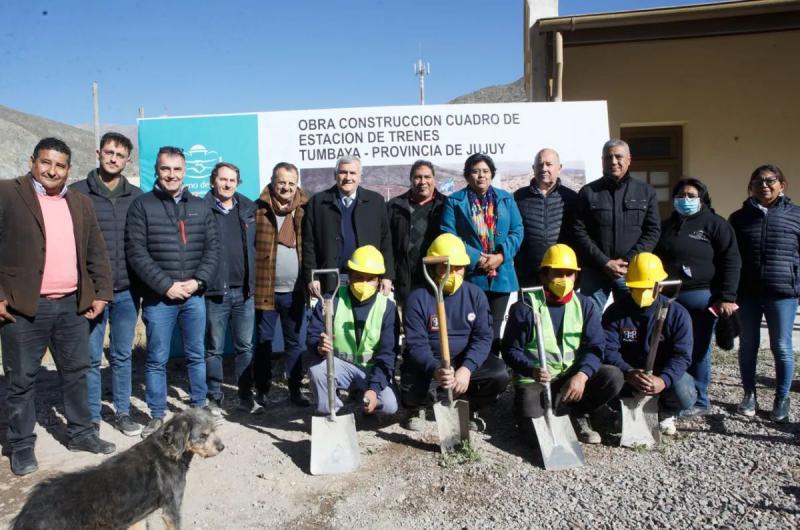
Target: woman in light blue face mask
x,y
698,247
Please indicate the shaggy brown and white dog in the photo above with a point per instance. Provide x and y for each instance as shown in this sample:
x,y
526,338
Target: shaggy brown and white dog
x,y
128,487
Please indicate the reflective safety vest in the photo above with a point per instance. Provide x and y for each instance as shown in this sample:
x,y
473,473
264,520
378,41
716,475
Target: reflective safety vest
x,y
559,357
345,345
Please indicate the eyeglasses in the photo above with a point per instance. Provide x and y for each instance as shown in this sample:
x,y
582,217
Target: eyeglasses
x,y
760,182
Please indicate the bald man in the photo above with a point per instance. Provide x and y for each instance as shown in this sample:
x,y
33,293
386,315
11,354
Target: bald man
x,y
547,208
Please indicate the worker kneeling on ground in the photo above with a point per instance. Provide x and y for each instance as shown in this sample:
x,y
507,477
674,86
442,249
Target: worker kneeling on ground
x,y
364,338
628,324
474,373
573,340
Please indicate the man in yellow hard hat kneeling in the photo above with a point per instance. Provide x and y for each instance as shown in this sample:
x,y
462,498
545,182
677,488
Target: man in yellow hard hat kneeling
x,y
573,340
628,323
364,342
474,373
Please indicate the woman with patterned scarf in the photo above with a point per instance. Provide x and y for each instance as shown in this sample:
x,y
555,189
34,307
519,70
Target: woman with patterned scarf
x,y
488,221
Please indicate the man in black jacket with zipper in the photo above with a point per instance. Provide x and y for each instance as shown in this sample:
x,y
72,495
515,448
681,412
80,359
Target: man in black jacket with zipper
x,y
111,195
173,247
414,219
547,208
341,219
616,218
229,295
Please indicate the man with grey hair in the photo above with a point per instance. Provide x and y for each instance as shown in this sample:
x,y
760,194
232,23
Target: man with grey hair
x,y
617,218
280,289
341,219
547,208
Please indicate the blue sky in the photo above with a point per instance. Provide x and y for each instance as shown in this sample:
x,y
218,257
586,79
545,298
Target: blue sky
x,y
203,57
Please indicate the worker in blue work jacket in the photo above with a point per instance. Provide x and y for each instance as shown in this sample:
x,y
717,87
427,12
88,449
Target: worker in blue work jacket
x,y
573,340
628,324
364,342
474,372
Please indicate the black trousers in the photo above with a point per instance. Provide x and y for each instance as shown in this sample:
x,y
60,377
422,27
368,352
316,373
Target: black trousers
x,y
419,389
58,325
602,387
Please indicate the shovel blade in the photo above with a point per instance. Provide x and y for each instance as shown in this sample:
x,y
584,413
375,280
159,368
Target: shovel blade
x,y
558,443
640,421
334,445
452,420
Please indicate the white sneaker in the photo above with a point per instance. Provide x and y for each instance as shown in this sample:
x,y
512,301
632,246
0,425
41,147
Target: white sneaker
x,y
667,426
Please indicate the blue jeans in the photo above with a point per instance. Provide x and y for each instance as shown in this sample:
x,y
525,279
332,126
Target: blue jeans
x,y
597,286
291,310
696,302
347,376
233,308
681,395
779,313
160,316
121,314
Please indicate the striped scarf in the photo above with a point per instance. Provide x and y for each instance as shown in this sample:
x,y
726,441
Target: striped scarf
x,y
484,217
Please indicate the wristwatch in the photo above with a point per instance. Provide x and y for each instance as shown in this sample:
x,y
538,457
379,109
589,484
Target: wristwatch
x,y
201,285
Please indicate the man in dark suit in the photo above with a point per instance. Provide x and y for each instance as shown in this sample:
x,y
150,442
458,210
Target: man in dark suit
x,y
54,278
341,219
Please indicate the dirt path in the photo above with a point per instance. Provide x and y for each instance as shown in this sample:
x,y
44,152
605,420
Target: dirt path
x,y
720,470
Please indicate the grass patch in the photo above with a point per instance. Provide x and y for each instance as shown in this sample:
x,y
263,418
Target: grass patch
x,y
464,453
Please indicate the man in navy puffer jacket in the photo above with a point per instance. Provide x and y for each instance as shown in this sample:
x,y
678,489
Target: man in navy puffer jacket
x,y
173,247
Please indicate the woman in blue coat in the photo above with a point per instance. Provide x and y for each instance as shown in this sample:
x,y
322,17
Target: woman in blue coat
x,y
488,221
767,230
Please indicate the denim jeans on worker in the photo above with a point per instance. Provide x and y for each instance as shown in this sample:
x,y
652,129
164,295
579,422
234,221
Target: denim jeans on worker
x,y
347,376
780,313
120,314
597,286
291,310
240,312
681,395
696,301
160,317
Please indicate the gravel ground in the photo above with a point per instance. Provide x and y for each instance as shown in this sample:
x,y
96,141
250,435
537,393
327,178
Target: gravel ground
x,y
721,470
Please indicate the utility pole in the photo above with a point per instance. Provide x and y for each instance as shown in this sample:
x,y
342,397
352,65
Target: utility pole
x,y
421,70
141,112
96,112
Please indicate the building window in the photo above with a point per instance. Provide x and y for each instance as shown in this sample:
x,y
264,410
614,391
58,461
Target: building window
x,y
656,158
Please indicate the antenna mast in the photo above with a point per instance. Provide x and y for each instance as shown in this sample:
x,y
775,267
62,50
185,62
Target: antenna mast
x,y
421,70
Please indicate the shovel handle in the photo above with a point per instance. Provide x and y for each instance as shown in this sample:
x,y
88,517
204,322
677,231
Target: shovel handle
x,y
444,343
662,309
537,326
327,309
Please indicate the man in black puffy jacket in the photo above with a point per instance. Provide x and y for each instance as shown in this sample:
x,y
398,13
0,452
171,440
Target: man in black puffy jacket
x,y
617,218
173,247
112,195
548,209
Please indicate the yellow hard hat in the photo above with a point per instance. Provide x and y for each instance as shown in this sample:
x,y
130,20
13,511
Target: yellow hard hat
x,y
560,256
367,259
452,247
644,271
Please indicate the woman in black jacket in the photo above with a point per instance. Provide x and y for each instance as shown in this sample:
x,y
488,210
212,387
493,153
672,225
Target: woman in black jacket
x,y
698,247
767,229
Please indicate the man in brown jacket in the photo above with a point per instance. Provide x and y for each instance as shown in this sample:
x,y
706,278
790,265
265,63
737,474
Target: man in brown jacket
x,y
54,278
279,286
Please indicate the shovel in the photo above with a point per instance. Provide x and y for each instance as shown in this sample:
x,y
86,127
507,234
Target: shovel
x,y
640,412
557,440
452,417
334,442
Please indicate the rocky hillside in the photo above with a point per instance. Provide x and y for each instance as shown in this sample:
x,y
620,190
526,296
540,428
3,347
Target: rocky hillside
x,y
510,93
19,133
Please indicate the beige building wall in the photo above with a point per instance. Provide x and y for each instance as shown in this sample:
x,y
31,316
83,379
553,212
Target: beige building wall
x,y
737,97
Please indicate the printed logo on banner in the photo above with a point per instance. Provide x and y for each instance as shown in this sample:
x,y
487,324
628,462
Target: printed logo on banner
x,y
200,161
206,141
